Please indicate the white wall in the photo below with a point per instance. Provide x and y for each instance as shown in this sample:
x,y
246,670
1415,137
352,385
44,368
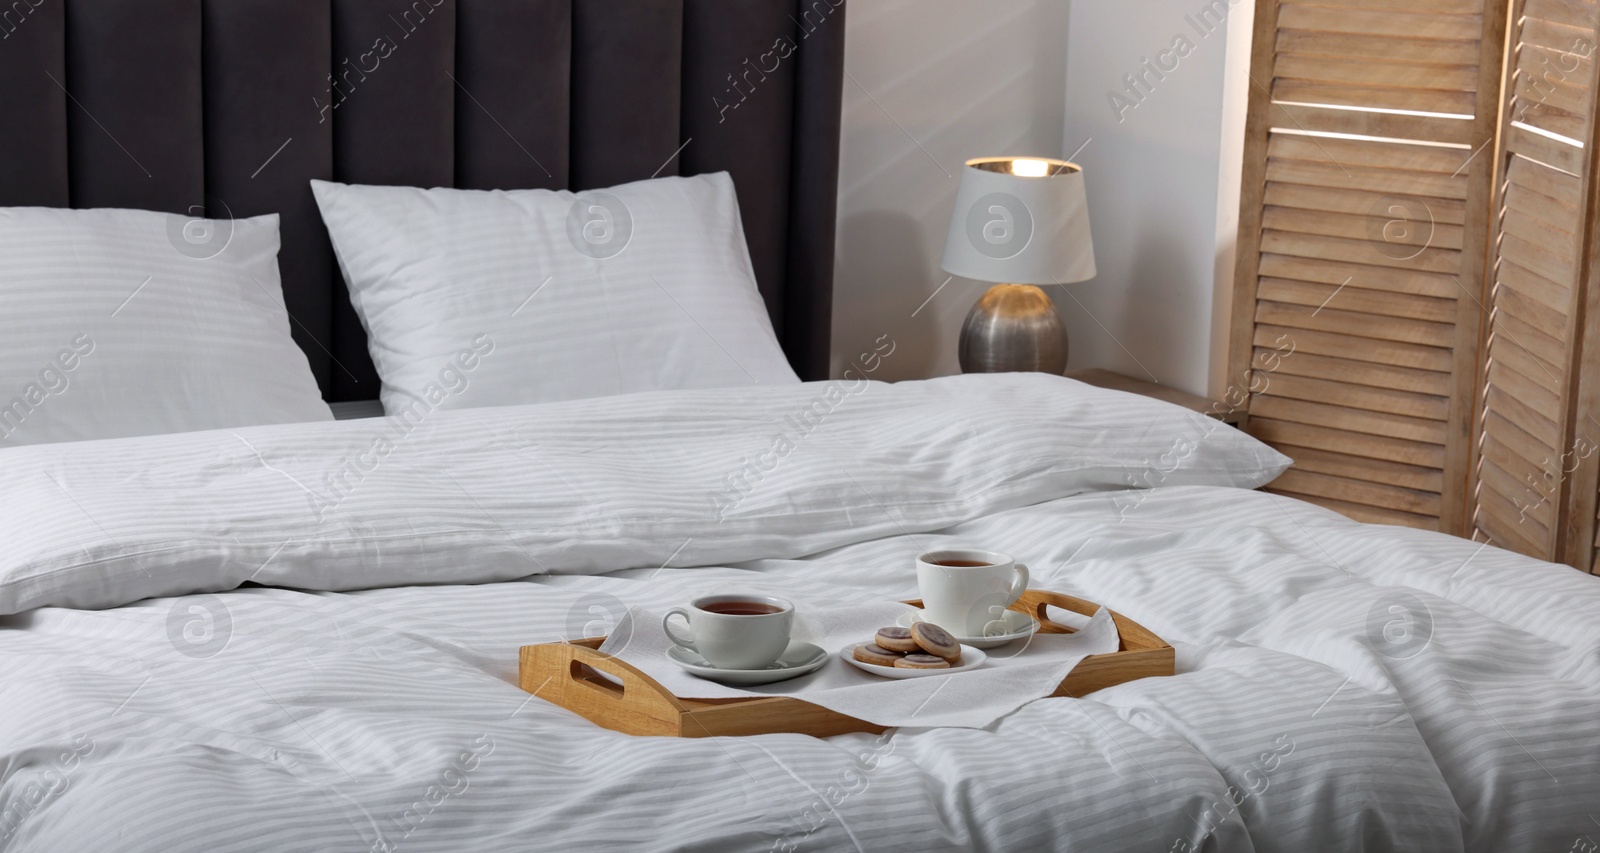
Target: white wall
x,y
930,84
934,82
1156,159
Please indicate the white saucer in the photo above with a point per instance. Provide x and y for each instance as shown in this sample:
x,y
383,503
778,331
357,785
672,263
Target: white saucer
x,y
1014,626
971,658
797,660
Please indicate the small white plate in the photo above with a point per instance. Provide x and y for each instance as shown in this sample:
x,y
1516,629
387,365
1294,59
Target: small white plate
x,y
1016,626
971,658
797,660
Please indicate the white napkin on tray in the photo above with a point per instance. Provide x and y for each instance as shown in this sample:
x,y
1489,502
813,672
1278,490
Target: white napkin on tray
x,y
1014,675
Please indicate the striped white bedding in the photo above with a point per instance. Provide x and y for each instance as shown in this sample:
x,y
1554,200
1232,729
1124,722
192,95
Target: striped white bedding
x,y
1306,715
695,477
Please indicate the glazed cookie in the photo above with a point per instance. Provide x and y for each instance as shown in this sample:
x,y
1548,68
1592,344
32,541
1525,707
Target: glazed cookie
x,y
936,641
896,639
877,656
922,662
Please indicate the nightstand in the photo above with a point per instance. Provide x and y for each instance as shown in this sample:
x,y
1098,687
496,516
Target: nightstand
x,y
1194,402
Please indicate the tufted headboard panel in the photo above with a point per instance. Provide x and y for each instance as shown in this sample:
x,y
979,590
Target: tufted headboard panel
x,y
232,106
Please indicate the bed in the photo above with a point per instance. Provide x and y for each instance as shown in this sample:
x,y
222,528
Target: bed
x,y
199,654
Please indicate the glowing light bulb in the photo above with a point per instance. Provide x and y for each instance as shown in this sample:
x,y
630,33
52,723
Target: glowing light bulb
x,y
1030,168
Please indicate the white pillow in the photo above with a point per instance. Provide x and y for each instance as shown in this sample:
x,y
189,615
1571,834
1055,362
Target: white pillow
x,y
643,287
128,322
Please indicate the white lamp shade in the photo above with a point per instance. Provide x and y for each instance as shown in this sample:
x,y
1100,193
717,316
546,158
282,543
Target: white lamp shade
x,y
1009,227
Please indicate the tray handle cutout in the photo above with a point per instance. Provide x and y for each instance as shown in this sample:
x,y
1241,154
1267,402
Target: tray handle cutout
x,y
595,685
584,673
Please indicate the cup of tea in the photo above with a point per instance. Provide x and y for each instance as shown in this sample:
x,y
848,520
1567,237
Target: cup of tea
x,y
964,590
734,631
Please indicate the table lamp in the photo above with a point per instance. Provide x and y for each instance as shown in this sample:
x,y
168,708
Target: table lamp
x,y
1021,221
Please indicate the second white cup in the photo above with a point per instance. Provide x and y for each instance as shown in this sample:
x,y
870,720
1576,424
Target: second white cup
x,y
965,590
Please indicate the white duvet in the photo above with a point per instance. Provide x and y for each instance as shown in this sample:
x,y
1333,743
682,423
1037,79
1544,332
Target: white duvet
x,y
1340,686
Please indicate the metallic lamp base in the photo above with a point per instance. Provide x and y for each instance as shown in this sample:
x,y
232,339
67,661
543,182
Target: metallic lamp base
x,y
1014,327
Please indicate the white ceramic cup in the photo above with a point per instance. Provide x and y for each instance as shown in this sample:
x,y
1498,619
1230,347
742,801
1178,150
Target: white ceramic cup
x,y
730,640
967,599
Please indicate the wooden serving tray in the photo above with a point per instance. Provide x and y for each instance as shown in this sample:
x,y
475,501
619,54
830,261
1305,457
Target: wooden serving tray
x,y
569,675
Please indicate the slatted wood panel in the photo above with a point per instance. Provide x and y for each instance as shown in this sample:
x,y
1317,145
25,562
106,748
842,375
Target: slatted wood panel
x,y
1368,180
1531,433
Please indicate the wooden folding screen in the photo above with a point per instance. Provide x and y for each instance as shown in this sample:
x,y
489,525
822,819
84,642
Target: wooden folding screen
x,y
1359,302
1538,437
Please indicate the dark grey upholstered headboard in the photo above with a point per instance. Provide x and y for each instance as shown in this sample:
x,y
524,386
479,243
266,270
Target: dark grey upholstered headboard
x,y
169,104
